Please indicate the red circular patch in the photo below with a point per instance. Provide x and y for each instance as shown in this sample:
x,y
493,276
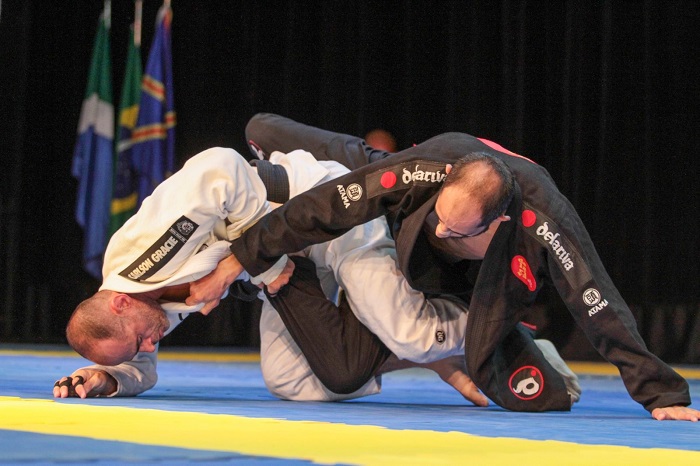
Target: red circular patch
x,y
388,180
526,383
529,218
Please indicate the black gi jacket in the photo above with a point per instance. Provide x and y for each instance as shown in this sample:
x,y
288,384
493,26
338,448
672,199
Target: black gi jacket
x,y
544,241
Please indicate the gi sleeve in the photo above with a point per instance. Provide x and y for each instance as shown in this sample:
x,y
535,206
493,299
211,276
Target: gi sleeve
x,y
411,326
216,194
133,377
581,280
330,210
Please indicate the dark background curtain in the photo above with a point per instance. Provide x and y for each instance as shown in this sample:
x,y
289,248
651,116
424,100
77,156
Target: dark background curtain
x,y
604,94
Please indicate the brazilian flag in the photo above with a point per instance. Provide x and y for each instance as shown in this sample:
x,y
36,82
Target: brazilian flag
x,y
125,192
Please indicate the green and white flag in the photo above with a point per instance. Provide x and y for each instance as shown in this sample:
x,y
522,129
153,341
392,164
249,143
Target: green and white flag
x,y
93,157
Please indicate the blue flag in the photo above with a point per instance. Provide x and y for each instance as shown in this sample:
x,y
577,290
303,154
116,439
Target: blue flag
x,y
94,152
153,150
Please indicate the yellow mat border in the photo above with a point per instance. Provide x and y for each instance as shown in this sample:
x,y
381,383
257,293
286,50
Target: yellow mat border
x,y
321,442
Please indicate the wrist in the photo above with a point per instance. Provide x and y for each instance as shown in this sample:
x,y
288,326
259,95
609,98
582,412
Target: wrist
x,y
231,268
110,385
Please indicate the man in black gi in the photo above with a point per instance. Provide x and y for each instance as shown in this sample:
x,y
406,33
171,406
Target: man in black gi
x,y
496,263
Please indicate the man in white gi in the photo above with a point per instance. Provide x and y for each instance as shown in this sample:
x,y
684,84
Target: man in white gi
x,y
177,237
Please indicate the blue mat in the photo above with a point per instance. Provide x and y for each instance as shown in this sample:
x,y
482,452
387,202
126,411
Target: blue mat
x,y
410,400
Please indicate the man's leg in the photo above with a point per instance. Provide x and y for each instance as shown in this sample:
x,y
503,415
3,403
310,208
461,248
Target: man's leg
x,y
341,351
286,371
267,132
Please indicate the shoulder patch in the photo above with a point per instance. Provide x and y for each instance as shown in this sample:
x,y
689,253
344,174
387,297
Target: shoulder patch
x,y
160,253
562,251
405,175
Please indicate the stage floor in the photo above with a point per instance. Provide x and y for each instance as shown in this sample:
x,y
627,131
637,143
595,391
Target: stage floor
x,y
213,407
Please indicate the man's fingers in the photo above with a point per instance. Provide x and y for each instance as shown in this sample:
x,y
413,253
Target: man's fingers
x,y
282,279
209,307
81,391
661,414
679,413
60,387
471,392
479,399
288,270
273,289
81,387
56,390
194,297
72,385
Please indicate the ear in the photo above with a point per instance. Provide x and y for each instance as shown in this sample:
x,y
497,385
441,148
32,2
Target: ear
x,y
448,168
119,302
504,218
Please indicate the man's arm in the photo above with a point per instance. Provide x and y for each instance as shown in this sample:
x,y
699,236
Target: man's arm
x,y
581,280
210,288
126,379
327,212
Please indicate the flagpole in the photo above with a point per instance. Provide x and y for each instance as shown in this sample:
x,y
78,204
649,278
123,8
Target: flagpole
x,y
108,13
137,22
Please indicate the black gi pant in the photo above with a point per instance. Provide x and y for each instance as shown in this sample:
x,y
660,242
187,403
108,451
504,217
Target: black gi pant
x,y
341,351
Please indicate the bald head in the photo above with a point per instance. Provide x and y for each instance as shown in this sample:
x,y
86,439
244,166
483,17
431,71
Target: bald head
x,y
92,322
110,327
484,181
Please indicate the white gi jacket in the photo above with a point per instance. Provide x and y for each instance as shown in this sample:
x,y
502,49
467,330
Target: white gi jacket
x,y
183,230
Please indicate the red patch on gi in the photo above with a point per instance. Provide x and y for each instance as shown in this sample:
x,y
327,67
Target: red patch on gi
x,y
529,218
521,269
526,383
388,180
